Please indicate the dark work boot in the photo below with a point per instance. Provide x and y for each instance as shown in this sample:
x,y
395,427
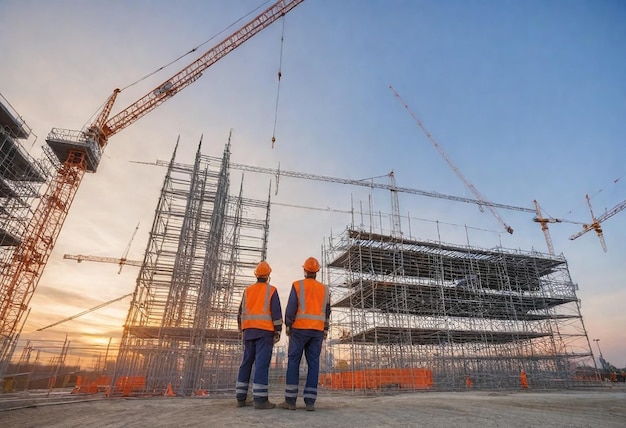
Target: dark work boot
x,y
287,406
310,407
244,403
264,405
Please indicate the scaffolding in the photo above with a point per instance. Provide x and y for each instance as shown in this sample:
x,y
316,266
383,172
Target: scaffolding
x,y
181,332
21,180
412,314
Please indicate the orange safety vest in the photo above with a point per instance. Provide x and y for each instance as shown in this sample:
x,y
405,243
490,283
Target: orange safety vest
x,y
255,307
313,297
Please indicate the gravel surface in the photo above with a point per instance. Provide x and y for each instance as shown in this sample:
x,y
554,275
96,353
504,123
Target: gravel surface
x,y
602,407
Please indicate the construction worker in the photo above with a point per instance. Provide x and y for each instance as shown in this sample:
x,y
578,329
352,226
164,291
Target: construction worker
x,y
306,320
260,320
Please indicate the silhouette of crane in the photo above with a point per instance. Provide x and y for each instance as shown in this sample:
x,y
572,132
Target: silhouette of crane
x,y
121,261
85,312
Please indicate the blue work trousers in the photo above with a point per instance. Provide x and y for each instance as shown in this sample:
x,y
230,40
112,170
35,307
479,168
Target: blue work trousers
x,y
257,352
309,342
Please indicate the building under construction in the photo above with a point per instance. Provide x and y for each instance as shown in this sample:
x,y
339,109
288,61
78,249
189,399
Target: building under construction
x,y
181,333
21,179
407,313
411,314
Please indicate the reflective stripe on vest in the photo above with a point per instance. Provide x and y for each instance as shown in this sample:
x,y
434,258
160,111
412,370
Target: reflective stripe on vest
x,y
308,317
257,315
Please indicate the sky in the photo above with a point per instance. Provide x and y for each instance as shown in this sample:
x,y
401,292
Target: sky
x,y
528,100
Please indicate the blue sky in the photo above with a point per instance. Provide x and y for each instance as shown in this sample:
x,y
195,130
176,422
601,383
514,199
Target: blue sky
x,y
527,98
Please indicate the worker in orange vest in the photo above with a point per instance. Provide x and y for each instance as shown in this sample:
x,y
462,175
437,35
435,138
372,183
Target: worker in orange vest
x,y
260,320
306,320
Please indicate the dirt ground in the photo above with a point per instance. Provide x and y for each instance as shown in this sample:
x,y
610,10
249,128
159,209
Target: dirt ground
x,y
602,407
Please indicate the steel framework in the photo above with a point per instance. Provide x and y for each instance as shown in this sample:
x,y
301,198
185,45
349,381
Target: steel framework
x,y
414,314
21,180
81,151
181,331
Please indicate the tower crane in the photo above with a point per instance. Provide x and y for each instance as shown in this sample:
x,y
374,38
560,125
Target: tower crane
x,y
79,152
396,230
595,224
544,226
122,261
543,221
362,183
456,170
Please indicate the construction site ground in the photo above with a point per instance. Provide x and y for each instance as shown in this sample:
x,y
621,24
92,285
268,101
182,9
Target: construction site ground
x,y
597,407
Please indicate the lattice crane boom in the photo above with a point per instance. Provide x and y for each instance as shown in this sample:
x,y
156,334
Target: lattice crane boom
x,y
470,186
193,71
79,152
595,224
85,312
361,183
121,261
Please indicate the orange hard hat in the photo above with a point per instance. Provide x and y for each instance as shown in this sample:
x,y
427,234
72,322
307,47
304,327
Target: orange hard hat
x,y
262,270
311,265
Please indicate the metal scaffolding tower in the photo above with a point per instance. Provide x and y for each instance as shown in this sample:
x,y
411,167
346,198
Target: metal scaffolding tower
x,y
181,331
413,314
21,179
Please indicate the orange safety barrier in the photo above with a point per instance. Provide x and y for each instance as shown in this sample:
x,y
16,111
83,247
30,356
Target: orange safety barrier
x,y
408,378
76,390
84,386
128,384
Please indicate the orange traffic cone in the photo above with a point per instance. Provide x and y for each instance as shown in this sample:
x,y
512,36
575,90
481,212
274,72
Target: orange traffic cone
x,y
169,392
523,379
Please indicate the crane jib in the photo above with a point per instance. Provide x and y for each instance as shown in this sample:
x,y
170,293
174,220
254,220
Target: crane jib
x,y
193,71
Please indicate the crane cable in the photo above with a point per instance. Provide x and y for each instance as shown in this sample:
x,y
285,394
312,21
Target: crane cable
x,y
280,65
197,47
597,193
163,67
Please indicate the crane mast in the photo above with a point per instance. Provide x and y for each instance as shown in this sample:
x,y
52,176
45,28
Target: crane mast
x,y
79,152
544,226
396,224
